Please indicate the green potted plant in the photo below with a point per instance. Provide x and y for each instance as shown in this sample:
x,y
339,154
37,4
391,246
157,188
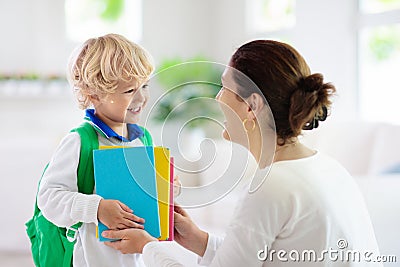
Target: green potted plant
x,y
189,87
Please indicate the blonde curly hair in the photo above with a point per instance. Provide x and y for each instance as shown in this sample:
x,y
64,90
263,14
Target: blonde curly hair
x,y
98,65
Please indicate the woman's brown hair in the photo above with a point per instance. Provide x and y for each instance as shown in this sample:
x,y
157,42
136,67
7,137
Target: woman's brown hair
x,y
297,98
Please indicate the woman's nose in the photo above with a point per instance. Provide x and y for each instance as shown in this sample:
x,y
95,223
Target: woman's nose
x,y
218,96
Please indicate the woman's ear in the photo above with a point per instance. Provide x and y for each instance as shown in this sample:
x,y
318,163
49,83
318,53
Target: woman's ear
x,y
255,105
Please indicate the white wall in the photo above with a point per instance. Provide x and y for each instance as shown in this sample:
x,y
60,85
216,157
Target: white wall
x,y
178,28
33,37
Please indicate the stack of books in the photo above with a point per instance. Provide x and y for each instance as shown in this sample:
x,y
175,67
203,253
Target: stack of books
x,y
141,178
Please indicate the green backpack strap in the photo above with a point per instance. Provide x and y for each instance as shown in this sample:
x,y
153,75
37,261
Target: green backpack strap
x,y
146,139
89,142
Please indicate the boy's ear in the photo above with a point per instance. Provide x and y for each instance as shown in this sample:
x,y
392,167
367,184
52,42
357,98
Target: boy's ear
x,y
95,99
255,105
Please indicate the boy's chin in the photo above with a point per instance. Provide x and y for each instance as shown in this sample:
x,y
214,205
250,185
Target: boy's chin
x,y
134,120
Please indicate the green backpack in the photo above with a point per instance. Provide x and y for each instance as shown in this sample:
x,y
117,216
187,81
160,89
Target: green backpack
x,y
53,246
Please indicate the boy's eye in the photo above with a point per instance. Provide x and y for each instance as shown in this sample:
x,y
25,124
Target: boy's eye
x,y
130,91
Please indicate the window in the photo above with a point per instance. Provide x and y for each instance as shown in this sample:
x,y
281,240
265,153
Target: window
x,y
379,60
89,18
378,6
270,15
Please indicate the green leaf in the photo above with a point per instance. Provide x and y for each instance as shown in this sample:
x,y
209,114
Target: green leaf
x,y
112,9
384,42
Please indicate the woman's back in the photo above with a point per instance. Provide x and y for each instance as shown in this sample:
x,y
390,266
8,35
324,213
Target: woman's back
x,y
311,210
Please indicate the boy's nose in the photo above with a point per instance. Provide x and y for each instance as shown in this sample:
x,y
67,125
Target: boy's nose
x,y
139,95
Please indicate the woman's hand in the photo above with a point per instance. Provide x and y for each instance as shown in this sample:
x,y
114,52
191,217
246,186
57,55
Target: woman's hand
x,y
116,215
131,240
187,234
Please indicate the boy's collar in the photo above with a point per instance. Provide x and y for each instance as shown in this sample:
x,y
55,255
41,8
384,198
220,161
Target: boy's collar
x,y
134,131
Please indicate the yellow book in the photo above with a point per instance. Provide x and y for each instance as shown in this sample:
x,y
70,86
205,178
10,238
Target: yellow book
x,y
162,166
112,147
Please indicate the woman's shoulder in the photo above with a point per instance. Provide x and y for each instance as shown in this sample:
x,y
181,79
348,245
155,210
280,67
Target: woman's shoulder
x,y
297,181
313,166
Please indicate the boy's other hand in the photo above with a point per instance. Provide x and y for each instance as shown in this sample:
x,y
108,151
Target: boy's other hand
x,y
177,186
116,215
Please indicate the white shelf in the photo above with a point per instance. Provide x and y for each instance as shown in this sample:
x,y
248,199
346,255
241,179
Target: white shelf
x,y
33,89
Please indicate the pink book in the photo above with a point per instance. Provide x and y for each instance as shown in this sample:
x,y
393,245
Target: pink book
x,y
171,201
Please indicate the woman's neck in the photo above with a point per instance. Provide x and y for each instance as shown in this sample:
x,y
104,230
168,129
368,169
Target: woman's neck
x,y
261,146
262,149
292,151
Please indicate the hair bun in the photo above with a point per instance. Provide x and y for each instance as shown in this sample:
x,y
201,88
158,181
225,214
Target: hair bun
x,y
311,83
310,103
319,116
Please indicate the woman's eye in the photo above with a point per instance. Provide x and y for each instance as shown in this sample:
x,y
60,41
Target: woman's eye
x,y
144,86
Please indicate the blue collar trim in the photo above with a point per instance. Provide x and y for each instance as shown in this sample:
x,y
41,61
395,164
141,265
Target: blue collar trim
x,y
134,131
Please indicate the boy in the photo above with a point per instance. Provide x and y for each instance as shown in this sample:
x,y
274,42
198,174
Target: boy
x,y
108,73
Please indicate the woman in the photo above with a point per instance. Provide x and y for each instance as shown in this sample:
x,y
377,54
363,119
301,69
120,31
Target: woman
x,y
308,211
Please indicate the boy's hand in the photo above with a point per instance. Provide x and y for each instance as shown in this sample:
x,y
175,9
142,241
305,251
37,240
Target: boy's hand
x,y
116,215
177,186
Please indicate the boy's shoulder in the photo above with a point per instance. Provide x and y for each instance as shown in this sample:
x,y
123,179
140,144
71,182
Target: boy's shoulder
x,y
88,137
84,135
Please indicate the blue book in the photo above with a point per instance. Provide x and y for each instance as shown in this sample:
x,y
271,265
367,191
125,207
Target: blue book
x,y
128,175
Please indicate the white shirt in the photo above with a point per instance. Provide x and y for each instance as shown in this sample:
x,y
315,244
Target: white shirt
x,y
304,206
60,203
